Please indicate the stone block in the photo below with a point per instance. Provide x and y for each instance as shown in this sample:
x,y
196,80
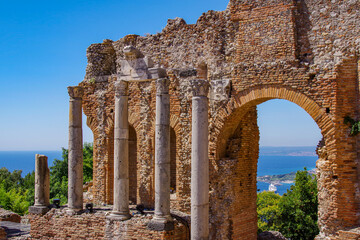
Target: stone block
x,y
38,209
155,73
161,226
6,215
219,90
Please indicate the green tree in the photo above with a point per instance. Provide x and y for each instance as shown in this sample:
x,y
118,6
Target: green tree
x,y
88,162
13,193
59,172
17,193
268,211
58,177
28,183
298,208
10,180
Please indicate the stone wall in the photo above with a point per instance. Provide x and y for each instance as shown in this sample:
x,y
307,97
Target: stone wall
x,y
6,215
305,51
56,224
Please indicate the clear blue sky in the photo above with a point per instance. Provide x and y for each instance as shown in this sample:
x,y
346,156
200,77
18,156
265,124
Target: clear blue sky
x,y
43,50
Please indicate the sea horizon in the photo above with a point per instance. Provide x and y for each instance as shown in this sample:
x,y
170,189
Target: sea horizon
x,y
272,161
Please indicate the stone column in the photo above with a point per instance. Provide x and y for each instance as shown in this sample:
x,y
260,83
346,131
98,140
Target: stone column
x,y
199,161
121,154
162,219
75,185
42,185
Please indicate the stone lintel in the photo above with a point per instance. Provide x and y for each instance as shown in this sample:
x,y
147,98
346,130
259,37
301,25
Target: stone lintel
x,y
152,74
128,78
186,73
156,73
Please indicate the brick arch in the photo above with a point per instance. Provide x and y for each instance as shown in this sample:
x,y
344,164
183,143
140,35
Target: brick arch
x,y
109,126
229,115
134,121
234,149
175,145
91,123
175,124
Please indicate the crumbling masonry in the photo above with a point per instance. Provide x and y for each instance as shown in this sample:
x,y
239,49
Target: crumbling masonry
x,y
303,51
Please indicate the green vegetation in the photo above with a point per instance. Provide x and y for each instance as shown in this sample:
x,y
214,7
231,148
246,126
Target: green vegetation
x,y
295,213
268,211
17,193
354,125
59,173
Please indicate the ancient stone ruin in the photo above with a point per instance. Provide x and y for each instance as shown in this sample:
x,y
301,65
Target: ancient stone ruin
x,y
175,122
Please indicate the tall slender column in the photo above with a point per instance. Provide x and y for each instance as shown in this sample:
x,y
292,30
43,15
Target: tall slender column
x,y
42,185
75,185
121,154
199,161
162,219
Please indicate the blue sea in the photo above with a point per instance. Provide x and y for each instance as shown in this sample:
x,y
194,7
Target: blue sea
x,y
25,160
282,160
272,161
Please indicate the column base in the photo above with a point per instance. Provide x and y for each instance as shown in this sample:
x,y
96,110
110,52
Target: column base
x,y
71,211
38,209
118,216
157,224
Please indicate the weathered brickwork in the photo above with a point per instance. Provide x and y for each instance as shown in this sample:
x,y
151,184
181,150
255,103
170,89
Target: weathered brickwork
x,y
233,198
58,225
352,234
304,51
2,234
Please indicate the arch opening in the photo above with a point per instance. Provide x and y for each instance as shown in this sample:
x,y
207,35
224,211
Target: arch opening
x,y
133,165
288,141
173,161
235,164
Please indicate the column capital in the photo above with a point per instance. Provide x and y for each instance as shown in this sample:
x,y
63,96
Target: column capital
x,y
121,88
75,92
162,86
199,87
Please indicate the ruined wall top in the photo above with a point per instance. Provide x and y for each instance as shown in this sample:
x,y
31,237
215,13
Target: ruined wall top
x,y
322,33
180,47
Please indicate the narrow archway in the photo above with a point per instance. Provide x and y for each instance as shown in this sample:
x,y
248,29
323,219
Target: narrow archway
x,y
288,141
133,167
172,160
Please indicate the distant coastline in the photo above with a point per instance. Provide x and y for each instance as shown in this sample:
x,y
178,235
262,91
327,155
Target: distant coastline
x,y
280,179
289,151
